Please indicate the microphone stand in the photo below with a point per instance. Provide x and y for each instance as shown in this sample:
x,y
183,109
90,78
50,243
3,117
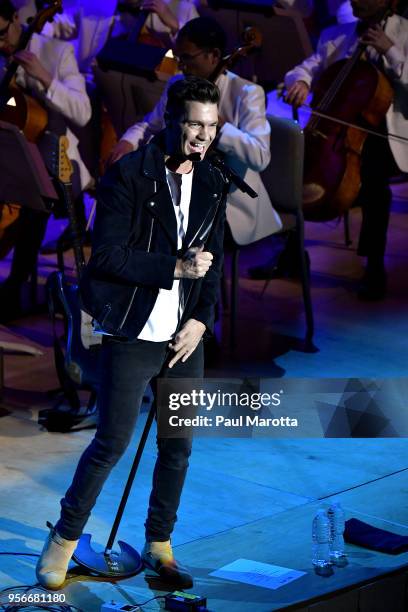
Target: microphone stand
x,y
128,561
230,175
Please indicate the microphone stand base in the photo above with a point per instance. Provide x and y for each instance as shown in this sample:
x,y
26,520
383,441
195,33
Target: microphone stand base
x,y
111,564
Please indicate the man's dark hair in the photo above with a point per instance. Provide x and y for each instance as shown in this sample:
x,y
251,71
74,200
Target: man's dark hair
x,y
205,32
7,10
190,89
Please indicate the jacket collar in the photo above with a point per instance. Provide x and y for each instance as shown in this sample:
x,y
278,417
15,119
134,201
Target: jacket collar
x,y
203,201
153,159
159,203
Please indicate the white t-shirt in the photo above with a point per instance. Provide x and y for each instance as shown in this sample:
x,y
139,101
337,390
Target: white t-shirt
x,y
168,308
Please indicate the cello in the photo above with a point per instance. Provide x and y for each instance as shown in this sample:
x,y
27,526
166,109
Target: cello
x,y
351,91
15,105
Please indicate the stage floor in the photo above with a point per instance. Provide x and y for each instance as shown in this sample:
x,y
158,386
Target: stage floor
x,y
244,498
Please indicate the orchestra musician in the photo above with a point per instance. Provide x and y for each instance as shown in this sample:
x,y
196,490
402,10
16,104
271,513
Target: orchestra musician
x,y
128,97
386,40
47,70
165,18
153,248
88,24
243,135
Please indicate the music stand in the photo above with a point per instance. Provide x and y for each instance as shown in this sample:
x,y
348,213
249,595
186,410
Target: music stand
x,y
131,58
24,177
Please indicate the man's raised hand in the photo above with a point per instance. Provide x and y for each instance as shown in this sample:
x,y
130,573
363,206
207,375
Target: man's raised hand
x,y
195,264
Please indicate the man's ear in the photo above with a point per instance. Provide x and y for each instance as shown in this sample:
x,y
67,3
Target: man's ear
x,y
216,53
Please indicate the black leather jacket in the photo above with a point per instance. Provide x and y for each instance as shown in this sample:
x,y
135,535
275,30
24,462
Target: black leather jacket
x,y
134,245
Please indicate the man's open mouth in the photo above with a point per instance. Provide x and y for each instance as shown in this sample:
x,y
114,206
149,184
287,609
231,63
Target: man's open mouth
x,y
197,147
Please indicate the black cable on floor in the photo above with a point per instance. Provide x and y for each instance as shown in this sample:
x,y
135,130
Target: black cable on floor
x,y
20,554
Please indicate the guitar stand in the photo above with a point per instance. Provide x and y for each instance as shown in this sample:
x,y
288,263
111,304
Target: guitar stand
x,y
63,418
60,255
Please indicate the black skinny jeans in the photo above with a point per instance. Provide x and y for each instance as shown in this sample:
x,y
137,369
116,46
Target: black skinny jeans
x,y
127,368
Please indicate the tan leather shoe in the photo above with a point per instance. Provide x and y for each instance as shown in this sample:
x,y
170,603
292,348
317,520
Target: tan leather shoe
x,y
159,557
53,563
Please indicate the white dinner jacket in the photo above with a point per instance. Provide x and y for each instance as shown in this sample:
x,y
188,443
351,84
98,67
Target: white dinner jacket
x,y
66,94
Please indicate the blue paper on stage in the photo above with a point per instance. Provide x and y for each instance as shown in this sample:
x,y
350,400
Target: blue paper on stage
x,y
259,574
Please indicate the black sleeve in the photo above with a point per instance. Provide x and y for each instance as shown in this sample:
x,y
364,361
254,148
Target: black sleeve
x,y
112,254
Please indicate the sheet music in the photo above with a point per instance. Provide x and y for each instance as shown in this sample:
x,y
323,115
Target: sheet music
x,y
259,574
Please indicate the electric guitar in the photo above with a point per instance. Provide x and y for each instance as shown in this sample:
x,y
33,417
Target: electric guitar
x,y
81,350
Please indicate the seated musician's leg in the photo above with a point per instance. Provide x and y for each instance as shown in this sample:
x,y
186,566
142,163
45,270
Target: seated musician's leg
x,y
9,227
29,233
375,199
284,262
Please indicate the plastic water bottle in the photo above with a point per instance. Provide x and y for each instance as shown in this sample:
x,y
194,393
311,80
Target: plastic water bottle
x,y
337,526
321,539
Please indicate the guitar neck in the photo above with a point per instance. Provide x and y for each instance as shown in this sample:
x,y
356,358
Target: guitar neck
x,y
76,236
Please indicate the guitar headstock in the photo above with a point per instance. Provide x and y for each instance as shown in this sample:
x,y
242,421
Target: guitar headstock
x,y
64,163
45,14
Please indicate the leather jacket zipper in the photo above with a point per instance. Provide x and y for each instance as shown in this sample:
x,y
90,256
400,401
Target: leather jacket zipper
x,y
136,288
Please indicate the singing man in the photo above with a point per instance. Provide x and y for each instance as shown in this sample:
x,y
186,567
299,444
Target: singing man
x,y
151,204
